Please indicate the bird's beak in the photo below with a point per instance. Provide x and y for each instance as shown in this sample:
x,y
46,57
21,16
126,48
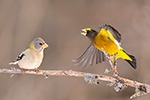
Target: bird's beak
x,y
83,32
45,45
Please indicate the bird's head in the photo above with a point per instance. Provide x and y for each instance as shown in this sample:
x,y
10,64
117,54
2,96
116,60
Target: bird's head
x,y
38,44
90,33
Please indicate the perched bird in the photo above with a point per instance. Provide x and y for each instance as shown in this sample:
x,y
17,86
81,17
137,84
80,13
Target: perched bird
x,y
108,40
32,56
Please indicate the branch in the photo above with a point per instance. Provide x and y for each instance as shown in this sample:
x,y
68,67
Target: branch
x,y
122,83
119,83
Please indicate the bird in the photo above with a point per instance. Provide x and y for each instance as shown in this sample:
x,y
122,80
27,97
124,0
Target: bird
x,y
32,56
108,40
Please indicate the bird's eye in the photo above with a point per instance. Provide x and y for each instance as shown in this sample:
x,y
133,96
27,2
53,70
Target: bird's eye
x,y
40,44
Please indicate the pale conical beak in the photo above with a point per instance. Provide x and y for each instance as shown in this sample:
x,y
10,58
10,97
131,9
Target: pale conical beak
x,y
83,32
45,45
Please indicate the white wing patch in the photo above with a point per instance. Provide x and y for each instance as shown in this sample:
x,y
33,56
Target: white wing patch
x,y
118,44
113,39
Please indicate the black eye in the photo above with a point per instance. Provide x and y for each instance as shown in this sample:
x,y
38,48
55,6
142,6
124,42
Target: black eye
x,y
40,44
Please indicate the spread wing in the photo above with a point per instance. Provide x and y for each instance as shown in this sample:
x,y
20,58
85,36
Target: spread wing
x,y
90,57
114,32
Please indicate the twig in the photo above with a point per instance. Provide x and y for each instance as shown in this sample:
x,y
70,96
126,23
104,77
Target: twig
x,y
113,66
88,77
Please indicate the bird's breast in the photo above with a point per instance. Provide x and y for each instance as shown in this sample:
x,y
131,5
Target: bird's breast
x,y
108,45
31,60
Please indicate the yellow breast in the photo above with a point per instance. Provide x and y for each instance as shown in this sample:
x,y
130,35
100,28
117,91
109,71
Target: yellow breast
x,y
102,40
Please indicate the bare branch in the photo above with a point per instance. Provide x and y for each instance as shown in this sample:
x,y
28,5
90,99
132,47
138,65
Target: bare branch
x,y
118,82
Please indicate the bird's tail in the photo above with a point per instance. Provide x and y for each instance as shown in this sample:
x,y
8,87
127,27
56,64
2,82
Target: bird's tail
x,y
129,58
133,62
13,63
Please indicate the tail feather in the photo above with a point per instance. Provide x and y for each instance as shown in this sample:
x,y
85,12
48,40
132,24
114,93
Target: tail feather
x,y
133,62
13,63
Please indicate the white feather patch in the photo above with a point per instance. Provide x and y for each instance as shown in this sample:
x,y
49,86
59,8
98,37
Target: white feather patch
x,y
13,63
118,44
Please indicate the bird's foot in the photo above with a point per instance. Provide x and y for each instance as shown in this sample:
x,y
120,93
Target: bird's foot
x,y
23,70
36,70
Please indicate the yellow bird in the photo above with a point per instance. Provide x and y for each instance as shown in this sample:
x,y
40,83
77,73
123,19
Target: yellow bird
x,y
107,39
32,56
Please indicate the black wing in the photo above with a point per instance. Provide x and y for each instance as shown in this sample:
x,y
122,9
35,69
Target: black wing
x,y
90,57
20,57
114,32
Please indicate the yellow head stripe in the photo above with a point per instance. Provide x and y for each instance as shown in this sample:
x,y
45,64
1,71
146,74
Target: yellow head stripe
x,y
31,45
88,29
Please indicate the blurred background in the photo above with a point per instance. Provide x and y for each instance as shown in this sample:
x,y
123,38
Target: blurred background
x,y
59,23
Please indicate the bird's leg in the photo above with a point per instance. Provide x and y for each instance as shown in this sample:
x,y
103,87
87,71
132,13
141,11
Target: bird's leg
x,y
36,70
22,69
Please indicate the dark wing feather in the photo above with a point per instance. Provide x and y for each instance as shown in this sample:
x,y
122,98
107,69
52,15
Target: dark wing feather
x,y
90,57
114,32
20,57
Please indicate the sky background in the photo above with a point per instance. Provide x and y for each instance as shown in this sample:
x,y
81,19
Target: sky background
x,y
59,23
